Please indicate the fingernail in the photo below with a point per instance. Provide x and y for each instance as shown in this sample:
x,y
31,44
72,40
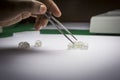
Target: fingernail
x,y
43,9
44,25
40,27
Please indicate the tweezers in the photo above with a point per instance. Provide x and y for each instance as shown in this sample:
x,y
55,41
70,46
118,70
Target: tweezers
x,y
60,26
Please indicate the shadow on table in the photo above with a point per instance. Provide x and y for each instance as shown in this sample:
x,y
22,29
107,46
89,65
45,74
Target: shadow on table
x,y
17,51
5,52
9,53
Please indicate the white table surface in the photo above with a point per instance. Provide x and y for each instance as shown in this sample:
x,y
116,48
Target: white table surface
x,y
54,62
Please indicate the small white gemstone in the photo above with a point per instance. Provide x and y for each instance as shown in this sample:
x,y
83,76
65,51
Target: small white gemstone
x,y
38,43
23,45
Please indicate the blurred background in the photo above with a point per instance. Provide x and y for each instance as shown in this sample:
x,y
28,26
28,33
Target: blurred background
x,y
82,10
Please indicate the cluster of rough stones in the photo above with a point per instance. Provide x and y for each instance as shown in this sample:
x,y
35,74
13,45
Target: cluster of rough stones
x,y
78,45
38,43
25,44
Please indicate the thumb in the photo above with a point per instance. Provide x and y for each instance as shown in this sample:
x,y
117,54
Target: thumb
x,y
37,8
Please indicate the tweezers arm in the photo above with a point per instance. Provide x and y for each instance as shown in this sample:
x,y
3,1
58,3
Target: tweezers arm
x,y
60,24
61,31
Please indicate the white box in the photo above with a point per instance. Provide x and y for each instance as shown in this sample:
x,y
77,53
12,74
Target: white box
x,y
106,23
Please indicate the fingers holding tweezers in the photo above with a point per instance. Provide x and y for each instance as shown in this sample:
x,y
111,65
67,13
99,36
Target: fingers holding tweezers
x,y
41,22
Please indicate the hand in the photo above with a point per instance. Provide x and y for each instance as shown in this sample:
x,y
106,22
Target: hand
x,y
13,11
